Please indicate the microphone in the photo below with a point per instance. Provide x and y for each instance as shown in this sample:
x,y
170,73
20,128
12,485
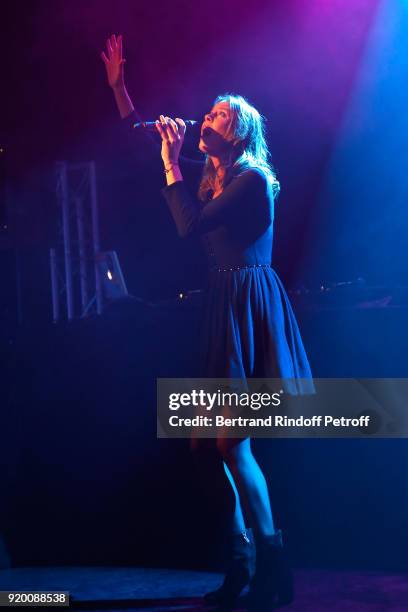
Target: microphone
x,y
151,125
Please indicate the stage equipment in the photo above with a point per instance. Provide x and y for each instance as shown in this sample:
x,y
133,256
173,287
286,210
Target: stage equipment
x,y
113,282
75,273
351,294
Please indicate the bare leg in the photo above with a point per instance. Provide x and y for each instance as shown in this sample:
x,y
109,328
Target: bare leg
x,y
214,475
238,521
250,483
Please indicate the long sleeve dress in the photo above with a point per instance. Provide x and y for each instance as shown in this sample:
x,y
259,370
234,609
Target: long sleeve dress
x,y
249,329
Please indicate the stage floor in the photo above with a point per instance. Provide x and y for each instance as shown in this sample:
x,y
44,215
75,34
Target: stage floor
x,y
119,588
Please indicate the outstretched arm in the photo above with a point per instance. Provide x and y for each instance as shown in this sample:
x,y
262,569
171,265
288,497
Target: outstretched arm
x,y
114,64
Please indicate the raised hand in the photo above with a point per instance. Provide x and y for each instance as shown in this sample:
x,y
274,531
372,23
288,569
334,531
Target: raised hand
x,y
172,134
114,62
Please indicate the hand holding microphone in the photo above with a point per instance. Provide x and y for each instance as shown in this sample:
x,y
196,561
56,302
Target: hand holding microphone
x,y
151,125
172,135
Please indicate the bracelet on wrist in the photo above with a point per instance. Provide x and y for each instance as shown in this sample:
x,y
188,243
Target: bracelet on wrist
x,y
170,168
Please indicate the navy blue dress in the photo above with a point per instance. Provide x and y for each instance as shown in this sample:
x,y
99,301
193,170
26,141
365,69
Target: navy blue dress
x,y
249,329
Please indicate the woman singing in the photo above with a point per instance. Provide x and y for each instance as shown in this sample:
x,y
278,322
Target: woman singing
x,y
249,329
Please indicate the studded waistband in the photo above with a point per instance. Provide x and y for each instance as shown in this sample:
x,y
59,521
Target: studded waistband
x,y
246,267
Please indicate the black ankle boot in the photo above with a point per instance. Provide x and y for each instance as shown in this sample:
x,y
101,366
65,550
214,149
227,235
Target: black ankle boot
x,y
239,572
272,584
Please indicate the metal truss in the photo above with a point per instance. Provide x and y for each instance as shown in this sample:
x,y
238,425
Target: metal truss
x,y
75,277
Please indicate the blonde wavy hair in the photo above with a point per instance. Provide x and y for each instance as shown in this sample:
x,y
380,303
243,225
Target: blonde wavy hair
x,y
249,148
